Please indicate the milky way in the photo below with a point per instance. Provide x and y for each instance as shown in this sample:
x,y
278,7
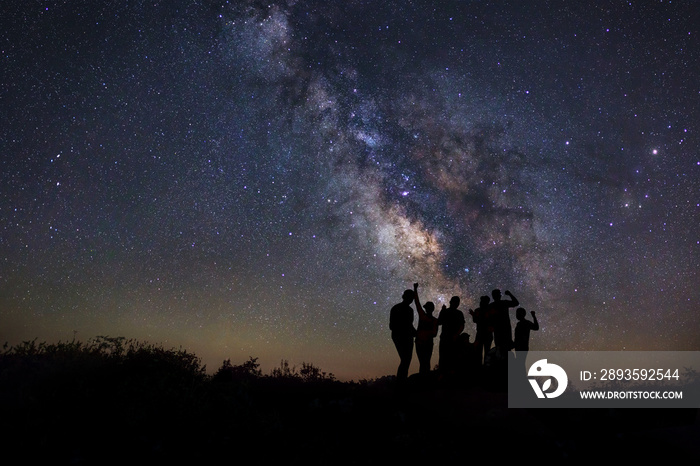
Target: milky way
x,y
265,179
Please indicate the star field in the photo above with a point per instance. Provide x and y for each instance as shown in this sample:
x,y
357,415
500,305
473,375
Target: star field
x,y
265,179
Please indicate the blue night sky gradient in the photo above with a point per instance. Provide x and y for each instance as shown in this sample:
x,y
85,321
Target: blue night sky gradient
x,y
265,179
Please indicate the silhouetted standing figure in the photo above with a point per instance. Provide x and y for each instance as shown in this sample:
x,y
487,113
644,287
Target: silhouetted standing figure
x,y
427,330
484,332
500,317
452,321
402,332
522,334
522,329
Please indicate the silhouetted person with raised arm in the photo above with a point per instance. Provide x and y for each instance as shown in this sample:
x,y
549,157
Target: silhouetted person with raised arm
x,y
452,321
522,334
502,329
484,332
427,330
402,332
523,328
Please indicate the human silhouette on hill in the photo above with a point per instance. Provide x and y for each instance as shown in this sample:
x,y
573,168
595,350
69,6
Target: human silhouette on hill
x,y
500,319
452,321
522,334
484,332
522,329
427,330
402,332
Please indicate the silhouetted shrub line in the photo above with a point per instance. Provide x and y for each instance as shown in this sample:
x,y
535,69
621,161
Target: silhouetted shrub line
x,y
112,400
73,399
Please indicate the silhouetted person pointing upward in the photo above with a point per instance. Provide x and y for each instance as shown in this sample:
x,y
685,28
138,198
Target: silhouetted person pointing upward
x,y
402,332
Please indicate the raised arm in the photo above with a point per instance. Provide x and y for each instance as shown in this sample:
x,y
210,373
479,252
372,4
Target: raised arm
x,y
535,324
513,300
419,308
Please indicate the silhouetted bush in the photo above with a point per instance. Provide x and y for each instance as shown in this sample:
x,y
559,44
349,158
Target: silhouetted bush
x,y
308,372
229,372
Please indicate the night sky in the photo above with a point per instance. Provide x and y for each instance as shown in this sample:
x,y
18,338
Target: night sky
x,y
265,178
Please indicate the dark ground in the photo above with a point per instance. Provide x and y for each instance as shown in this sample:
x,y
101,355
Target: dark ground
x,y
157,407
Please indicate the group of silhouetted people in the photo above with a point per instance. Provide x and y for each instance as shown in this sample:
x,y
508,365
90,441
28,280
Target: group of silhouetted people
x,y
457,355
